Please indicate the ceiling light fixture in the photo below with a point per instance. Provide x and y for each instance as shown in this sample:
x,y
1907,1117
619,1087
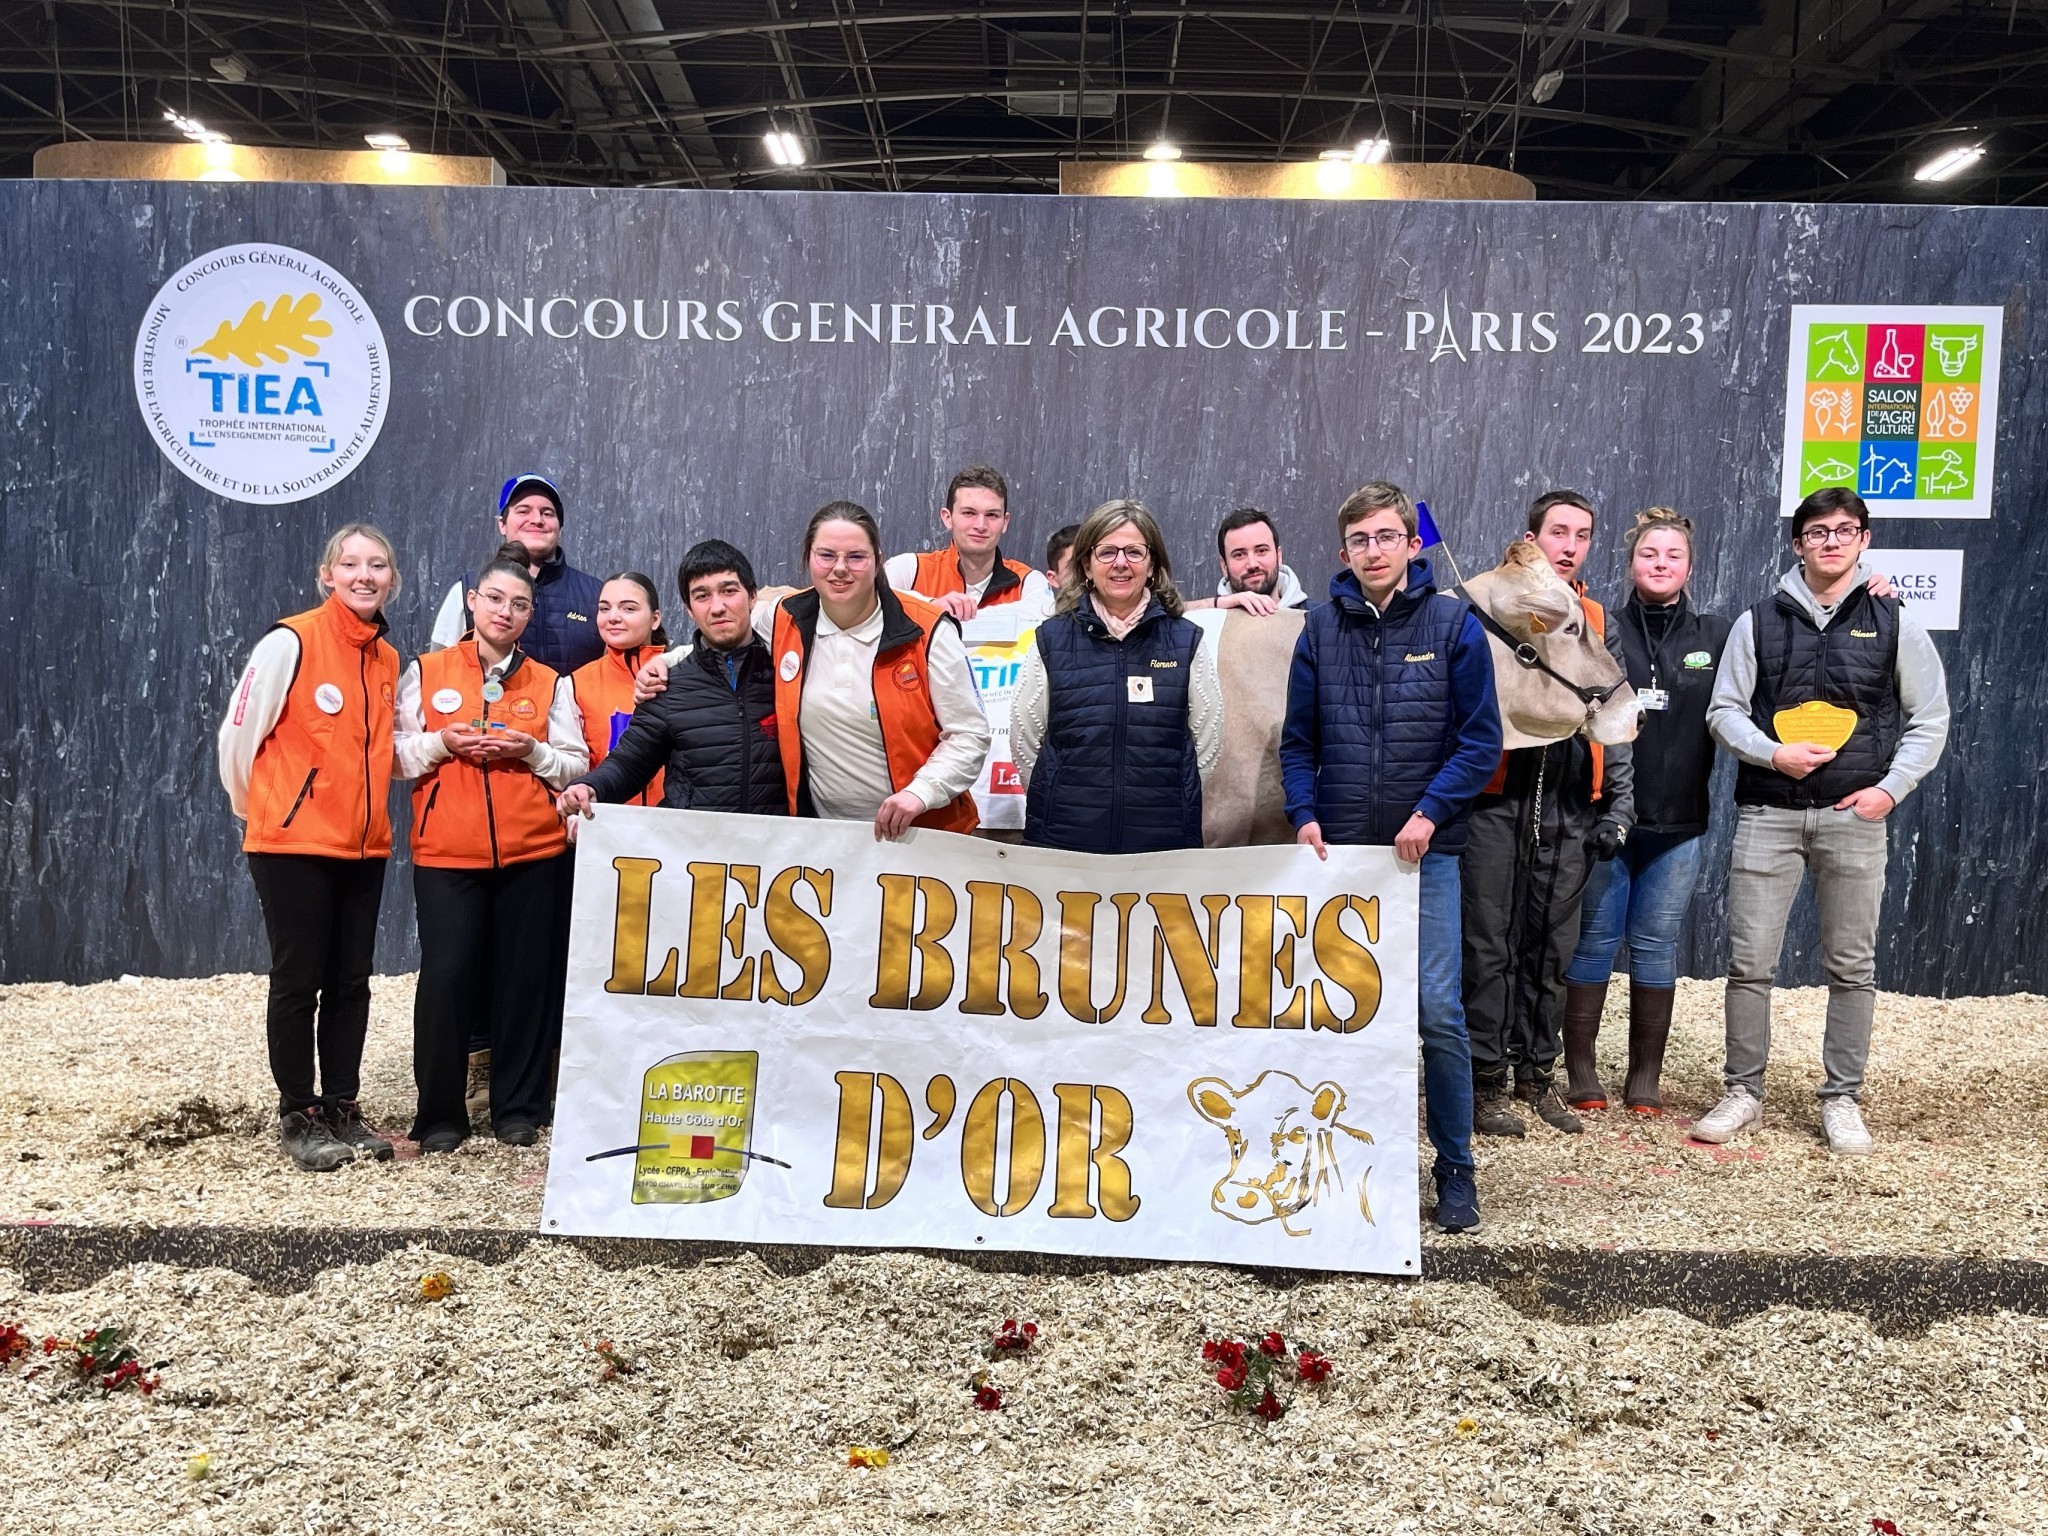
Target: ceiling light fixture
x,y
1950,163
784,148
1162,149
1365,152
231,67
1546,86
387,141
193,129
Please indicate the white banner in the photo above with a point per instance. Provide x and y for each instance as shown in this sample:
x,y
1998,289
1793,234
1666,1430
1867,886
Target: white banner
x,y
783,1031
1929,581
998,639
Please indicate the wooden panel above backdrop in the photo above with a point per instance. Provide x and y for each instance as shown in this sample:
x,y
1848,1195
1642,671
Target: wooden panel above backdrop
x,y
1334,180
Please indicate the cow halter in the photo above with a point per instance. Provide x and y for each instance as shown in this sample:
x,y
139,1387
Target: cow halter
x,y
1526,654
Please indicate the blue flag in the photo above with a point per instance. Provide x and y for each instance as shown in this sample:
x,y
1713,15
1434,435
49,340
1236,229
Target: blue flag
x,y
1426,525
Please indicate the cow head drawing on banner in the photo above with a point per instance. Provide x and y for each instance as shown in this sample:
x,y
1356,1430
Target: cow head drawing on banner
x,y
1554,676
1282,1135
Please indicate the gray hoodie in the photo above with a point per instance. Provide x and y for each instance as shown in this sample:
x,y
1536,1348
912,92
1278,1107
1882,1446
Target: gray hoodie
x,y
1923,693
1288,592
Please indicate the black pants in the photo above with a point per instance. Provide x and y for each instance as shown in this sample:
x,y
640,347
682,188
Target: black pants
x,y
1525,870
488,966
321,915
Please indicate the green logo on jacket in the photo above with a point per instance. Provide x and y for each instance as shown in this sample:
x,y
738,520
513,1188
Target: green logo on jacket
x,y
1698,659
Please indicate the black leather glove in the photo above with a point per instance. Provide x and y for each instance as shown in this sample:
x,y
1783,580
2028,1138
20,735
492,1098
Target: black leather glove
x,y
1606,839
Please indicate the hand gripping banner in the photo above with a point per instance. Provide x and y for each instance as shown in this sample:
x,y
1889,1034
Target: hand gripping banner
x,y
784,1031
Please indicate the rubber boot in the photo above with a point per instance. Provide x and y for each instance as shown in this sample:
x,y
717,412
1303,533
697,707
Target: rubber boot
x,y
1582,1008
1649,1027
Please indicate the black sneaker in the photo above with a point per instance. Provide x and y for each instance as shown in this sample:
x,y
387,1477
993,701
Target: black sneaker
x,y
309,1141
346,1117
1492,1117
1550,1109
1457,1203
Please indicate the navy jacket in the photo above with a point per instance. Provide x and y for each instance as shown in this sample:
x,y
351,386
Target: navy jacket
x,y
1389,714
562,633
1116,772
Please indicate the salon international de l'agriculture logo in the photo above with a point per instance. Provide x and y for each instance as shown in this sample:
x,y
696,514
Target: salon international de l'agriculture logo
x,y
262,373
1898,403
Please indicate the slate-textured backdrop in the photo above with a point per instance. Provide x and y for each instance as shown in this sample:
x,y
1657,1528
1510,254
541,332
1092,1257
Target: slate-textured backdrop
x,y
132,596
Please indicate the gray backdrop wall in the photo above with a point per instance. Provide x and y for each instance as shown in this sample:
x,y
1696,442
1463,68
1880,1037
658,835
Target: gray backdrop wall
x,y
133,595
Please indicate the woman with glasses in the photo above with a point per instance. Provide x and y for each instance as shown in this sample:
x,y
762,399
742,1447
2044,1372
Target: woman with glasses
x,y
488,735
1118,714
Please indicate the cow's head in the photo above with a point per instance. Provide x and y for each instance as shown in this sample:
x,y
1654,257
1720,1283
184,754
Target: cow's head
x,y
1556,679
1282,1136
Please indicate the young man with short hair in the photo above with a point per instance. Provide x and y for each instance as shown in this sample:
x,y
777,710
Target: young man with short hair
x,y
711,732
969,572
1059,551
1391,731
1836,704
1543,818
563,631
1254,579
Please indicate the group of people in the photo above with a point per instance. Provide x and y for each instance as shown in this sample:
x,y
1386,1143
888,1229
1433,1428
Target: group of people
x,y
550,691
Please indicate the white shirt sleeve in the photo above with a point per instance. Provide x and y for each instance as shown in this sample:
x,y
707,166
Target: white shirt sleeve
x,y
1205,706
254,711
956,762
1036,601
451,621
1028,716
414,749
901,570
565,755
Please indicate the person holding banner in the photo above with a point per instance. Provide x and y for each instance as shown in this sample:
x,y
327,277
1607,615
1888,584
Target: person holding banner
x,y
487,733
306,758
969,573
1119,712
1392,730
1254,579
714,730
629,619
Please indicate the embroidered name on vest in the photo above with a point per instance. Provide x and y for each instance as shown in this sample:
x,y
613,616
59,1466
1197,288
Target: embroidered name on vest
x,y
580,618
1862,634
1420,656
1158,663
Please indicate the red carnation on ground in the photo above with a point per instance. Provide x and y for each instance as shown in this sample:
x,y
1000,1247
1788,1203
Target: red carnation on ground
x,y
1272,1346
988,1398
1311,1366
1259,1373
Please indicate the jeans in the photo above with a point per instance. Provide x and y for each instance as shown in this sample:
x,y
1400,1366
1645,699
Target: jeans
x,y
1446,1053
1775,848
1640,894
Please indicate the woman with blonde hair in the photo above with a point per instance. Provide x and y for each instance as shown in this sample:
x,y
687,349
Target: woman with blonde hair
x,y
1118,714
306,758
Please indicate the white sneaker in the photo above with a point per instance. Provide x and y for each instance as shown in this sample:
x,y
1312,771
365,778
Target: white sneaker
x,y
1842,1119
1738,1110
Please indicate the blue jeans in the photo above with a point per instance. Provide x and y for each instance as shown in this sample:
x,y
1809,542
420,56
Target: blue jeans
x,y
1446,1052
1640,894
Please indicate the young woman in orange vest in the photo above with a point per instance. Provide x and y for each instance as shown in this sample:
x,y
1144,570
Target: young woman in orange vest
x,y
488,734
629,621
306,755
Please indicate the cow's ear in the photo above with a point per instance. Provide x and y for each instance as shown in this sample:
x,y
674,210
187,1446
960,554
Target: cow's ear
x,y
1544,609
1212,1100
1328,1100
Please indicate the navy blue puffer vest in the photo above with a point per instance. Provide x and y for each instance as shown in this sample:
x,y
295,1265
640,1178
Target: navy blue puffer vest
x,y
1383,697
562,633
1853,663
1116,772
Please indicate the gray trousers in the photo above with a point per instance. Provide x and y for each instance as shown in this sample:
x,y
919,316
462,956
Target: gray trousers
x,y
1774,850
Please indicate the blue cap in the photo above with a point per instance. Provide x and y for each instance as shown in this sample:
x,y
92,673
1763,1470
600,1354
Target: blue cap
x,y
526,485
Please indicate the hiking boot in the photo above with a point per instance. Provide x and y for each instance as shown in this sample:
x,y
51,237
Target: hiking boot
x,y
476,1092
1491,1115
307,1140
1582,1009
346,1118
1738,1110
1550,1109
1457,1203
1649,1027
1848,1136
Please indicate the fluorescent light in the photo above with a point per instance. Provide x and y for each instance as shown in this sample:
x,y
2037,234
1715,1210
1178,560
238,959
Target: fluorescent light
x,y
231,67
1950,163
1345,155
390,141
193,129
1373,151
784,148
1161,149
1546,86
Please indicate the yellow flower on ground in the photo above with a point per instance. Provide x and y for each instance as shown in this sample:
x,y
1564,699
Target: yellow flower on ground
x,y
1467,1428
200,1467
867,1456
436,1285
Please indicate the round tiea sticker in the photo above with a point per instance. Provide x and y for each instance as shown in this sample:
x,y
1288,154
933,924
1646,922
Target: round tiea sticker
x,y
791,665
447,701
328,697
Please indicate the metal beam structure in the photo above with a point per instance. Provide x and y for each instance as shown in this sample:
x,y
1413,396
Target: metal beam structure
x,y
1766,99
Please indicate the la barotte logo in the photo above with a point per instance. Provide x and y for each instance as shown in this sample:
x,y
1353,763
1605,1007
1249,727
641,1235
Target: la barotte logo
x,y
262,373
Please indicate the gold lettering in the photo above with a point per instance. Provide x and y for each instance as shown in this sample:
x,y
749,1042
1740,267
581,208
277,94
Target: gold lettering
x,y
988,951
741,987
901,937
1346,962
1258,959
798,935
707,915
1193,961
1077,954
857,1095
939,1098
978,1147
629,925
1079,1149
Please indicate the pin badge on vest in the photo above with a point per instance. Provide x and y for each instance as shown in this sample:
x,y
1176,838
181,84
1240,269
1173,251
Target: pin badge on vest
x,y
1139,689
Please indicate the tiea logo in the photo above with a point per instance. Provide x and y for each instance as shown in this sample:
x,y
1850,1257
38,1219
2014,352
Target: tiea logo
x,y
261,373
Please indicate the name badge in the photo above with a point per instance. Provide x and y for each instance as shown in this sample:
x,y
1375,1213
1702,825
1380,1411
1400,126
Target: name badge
x,y
1138,689
447,700
1654,698
327,698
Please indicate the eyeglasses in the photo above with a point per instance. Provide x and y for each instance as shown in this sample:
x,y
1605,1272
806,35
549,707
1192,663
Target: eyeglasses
x,y
853,560
1389,539
1121,554
497,600
1834,533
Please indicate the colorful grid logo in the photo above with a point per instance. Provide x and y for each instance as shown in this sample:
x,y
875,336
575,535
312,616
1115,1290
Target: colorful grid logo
x,y
1894,405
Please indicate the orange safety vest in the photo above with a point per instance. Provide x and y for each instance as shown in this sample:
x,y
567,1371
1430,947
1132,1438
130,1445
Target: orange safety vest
x,y
477,816
604,697
903,696
938,573
321,783
1596,621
